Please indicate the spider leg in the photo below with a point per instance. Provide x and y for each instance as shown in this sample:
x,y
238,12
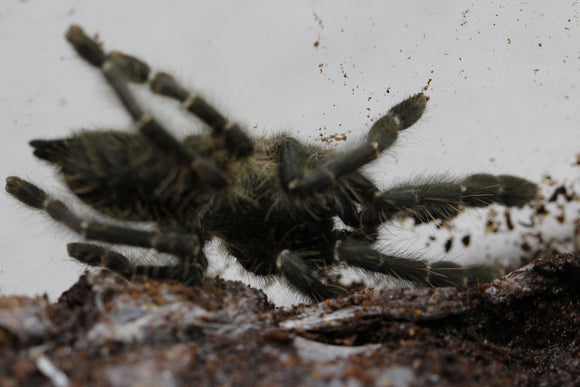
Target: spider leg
x,y
135,70
95,255
302,276
381,136
442,200
289,161
187,247
355,188
237,142
417,271
112,68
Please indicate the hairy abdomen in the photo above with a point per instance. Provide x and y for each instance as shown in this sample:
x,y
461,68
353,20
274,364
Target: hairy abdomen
x,y
119,174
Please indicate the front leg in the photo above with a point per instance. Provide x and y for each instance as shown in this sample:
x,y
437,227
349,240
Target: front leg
x,y
382,135
99,256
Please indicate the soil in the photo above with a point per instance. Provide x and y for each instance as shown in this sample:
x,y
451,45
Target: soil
x,y
520,329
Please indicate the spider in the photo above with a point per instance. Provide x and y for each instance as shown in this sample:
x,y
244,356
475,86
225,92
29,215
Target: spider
x,y
272,202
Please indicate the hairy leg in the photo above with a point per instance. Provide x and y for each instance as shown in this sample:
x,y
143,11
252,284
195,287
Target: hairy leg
x,y
304,277
444,199
381,136
417,271
187,247
207,173
95,255
135,70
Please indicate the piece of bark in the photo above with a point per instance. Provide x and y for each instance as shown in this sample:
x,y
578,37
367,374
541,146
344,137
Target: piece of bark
x,y
521,329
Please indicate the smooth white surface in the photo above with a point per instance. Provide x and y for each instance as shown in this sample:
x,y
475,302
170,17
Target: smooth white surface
x,y
503,80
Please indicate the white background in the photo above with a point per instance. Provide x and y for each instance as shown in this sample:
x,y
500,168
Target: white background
x,y
504,96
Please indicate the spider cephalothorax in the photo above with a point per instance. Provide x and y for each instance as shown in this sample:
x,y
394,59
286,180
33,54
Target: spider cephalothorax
x,y
271,201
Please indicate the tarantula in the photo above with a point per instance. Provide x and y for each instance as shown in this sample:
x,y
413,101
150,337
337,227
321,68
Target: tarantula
x,y
271,201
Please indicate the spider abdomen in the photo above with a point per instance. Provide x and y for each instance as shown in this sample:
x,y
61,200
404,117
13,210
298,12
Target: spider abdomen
x,y
119,174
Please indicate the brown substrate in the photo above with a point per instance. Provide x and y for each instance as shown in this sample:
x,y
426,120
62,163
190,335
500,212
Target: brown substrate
x,y
521,329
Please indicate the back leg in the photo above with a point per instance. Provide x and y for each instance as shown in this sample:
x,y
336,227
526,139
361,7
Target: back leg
x,y
135,70
207,173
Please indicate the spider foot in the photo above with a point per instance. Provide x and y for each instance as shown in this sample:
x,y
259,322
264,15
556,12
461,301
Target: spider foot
x,y
25,192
